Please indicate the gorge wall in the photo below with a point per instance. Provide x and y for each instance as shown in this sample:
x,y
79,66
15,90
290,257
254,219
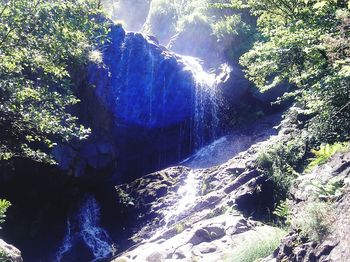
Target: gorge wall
x,y
147,108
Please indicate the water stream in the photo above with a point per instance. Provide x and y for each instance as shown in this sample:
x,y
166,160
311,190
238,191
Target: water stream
x,y
187,194
206,102
83,229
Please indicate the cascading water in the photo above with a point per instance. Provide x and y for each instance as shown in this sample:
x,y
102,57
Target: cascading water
x,y
187,194
83,229
206,102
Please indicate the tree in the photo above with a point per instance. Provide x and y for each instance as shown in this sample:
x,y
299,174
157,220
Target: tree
x,y
306,43
41,44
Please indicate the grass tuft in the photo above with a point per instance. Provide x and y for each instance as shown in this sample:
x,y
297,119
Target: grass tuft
x,y
257,244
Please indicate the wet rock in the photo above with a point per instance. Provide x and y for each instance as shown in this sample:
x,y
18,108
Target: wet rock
x,y
207,234
207,227
325,248
206,248
122,259
201,235
241,180
240,227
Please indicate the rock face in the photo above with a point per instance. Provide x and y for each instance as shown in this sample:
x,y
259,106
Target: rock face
x,y
142,83
145,105
197,214
9,252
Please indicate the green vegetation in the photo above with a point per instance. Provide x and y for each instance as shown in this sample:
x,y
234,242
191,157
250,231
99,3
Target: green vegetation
x,y
4,205
180,227
324,153
233,30
281,164
217,212
123,197
44,45
331,191
315,221
307,44
256,244
282,211
3,256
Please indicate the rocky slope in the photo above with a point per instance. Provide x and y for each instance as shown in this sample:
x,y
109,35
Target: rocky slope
x,y
323,196
187,214
199,214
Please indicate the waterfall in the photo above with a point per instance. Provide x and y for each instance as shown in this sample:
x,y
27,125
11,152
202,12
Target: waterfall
x,y
205,118
186,196
83,228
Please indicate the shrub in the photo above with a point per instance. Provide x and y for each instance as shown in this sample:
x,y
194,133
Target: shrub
x,y
315,221
161,20
257,244
280,163
330,191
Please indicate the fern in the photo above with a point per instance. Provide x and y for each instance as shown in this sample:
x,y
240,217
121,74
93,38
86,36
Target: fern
x,y
330,191
324,153
4,205
283,212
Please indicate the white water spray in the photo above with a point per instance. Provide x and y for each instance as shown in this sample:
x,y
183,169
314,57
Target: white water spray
x,y
187,194
205,118
85,227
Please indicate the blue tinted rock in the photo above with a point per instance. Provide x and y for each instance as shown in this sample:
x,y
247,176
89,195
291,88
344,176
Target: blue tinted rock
x,y
141,83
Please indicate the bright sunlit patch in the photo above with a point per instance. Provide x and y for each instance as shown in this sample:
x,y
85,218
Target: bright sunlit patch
x,y
187,194
96,57
201,76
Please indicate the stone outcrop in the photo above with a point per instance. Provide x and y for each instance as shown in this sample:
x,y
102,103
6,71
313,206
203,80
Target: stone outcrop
x,y
333,246
9,252
148,108
141,104
207,226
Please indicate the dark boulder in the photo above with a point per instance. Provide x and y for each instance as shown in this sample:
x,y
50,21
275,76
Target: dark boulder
x,y
141,106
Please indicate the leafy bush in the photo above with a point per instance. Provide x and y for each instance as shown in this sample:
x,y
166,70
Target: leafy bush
x,y
315,221
162,19
232,28
306,43
43,45
4,205
324,153
280,163
257,244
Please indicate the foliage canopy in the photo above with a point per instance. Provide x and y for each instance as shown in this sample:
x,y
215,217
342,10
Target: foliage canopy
x,y
42,44
307,44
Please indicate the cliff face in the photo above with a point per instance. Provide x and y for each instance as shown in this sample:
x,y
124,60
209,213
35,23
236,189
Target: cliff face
x,y
147,108
142,83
